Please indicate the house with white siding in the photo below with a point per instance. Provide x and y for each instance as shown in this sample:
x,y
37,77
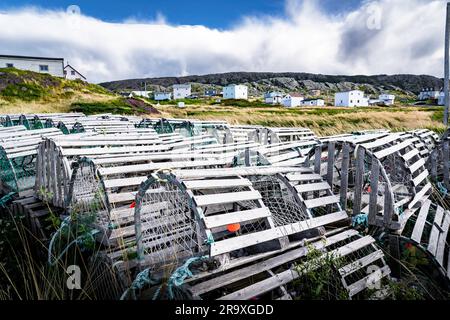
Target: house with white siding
x,y
161,96
181,91
441,98
235,91
144,94
313,103
273,98
352,98
292,100
429,93
71,73
387,99
52,66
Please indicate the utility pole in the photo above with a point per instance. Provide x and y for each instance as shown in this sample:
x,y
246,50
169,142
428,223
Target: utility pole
x,y
447,66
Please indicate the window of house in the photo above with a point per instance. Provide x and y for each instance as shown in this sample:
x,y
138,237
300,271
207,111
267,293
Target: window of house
x,y
43,67
358,101
10,65
72,72
351,101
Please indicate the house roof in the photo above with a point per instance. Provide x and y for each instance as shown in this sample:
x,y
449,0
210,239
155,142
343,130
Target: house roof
x,y
30,57
68,65
307,100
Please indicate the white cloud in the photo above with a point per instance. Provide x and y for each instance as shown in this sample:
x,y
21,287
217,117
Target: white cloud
x,y
409,40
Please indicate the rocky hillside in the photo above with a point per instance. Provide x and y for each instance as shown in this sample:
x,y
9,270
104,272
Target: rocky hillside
x,y
260,82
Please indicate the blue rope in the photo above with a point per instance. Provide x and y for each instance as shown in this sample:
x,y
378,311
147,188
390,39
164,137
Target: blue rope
x,y
6,198
442,188
361,219
79,240
182,273
142,279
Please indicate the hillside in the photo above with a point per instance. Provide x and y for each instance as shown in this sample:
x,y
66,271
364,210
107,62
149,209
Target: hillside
x,y
31,92
260,82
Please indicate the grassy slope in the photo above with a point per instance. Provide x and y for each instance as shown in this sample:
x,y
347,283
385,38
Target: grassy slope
x,y
30,92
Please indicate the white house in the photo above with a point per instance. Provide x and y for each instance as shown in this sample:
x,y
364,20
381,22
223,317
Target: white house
x,y
161,96
429,93
273,98
181,91
71,74
292,100
387,99
53,66
145,94
353,98
313,103
441,99
235,91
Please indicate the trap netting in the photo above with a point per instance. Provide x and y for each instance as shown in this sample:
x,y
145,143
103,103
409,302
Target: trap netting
x,y
86,199
167,231
104,281
17,173
250,158
280,200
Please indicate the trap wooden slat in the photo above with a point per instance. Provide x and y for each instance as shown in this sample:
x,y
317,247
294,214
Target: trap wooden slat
x,y
223,198
158,165
243,241
321,201
221,220
410,154
309,187
419,195
421,177
303,177
216,184
435,231
443,239
361,263
420,222
416,166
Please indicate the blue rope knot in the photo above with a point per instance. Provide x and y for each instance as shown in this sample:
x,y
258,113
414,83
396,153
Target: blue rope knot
x,y
442,189
6,198
142,279
361,219
182,273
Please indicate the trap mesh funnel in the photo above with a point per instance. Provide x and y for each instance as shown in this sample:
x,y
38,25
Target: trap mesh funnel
x,y
166,229
86,198
280,199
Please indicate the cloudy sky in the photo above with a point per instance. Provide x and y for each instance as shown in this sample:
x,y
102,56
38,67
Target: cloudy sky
x,y
110,41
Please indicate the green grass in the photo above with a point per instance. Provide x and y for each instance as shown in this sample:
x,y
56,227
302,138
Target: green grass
x,y
24,92
28,86
117,106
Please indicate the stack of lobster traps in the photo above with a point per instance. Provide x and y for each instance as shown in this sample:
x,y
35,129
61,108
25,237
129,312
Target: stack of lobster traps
x,y
204,210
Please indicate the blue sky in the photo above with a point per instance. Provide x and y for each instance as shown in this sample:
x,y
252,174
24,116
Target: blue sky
x,y
220,14
201,37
